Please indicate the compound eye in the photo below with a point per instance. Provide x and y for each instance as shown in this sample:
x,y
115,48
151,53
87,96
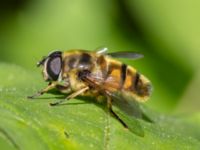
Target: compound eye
x,y
54,67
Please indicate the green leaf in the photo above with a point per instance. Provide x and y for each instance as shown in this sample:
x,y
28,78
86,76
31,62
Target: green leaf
x,y
81,123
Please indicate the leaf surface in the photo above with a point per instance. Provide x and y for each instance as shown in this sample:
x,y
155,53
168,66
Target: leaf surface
x,y
81,123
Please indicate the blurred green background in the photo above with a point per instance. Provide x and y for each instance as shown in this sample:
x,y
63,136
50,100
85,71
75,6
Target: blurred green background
x,y
166,32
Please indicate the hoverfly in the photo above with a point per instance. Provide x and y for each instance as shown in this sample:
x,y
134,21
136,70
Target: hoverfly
x,y
95,73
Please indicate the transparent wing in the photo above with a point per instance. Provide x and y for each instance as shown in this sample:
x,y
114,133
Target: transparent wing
x,y
128,110
126,104
126,54
130,106
120,54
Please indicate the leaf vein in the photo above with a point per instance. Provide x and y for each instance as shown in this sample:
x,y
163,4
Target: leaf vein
x,y
107,131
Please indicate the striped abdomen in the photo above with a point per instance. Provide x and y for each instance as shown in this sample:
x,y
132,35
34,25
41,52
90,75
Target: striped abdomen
x,y
121,77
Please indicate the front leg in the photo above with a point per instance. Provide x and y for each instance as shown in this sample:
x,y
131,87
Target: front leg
x,y
50,86
72,95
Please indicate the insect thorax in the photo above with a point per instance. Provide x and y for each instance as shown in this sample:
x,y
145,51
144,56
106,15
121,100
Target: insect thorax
x,y
79,63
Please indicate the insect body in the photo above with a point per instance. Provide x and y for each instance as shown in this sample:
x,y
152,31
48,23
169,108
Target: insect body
x,y
95,73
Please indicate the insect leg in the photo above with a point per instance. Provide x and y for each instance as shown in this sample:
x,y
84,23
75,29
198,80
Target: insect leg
x,y
76,93
109,104
108,96
41,92
63,88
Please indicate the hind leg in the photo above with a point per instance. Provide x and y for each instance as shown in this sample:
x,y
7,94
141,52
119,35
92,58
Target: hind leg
x,y
109,105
